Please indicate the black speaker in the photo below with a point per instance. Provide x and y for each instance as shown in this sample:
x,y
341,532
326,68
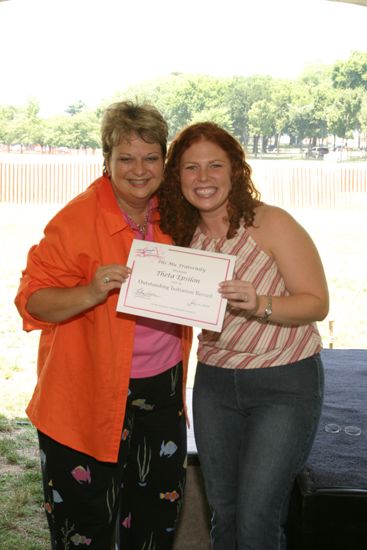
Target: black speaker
x,y
326,519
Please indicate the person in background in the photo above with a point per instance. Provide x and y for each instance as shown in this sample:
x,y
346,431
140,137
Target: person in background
x,y
108,404
258,386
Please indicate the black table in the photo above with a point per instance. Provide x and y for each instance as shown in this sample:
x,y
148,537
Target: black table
x,y
328,508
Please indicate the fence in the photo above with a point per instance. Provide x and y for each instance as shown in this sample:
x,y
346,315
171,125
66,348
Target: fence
x,y
43,179
46,179
301,184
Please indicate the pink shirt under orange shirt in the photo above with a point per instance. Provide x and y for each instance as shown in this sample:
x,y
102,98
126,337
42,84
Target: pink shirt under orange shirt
x,y
154,338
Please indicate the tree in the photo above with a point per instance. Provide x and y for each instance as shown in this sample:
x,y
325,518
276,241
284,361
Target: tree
x,y
21,125
75,132
324,99
351,73
261,123
308,113
83,131
75,108
343,112
281,99
31,125
362,119
241,94
184,98
7,127
219,115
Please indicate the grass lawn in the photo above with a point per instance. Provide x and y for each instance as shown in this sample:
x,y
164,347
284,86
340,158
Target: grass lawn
x,y
22,518
340,236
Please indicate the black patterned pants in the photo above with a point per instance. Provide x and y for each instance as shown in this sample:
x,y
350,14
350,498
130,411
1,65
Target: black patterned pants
x,y
144,489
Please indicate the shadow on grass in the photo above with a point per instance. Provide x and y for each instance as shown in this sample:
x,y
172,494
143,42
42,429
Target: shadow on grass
x,y
23,523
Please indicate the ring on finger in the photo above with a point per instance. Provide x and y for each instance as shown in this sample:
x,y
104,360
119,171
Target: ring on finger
x,y
245,298
106,280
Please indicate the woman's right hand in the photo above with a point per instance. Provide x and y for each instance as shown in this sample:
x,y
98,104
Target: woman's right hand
x,y
107,278
56,305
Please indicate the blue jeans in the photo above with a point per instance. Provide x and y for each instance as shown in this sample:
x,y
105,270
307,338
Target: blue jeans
x,y
254,429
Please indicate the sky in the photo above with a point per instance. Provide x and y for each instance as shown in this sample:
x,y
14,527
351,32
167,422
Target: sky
x,y
63,51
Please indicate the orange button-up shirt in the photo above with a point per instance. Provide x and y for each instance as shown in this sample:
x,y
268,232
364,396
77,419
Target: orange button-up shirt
x,y
84,363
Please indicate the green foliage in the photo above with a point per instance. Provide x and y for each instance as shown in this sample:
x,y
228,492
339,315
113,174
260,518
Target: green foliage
x,y
324,100
308,110
362,117
20,125
183,98
281,98
7,125
219,115
351,73
345,112
241,95
74,131
75,108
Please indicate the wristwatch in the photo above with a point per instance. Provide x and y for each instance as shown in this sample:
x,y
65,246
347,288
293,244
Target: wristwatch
x,y
267,312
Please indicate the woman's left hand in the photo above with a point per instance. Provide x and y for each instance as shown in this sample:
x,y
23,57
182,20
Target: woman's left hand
x,y
240,294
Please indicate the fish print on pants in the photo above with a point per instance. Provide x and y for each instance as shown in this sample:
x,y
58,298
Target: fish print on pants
x,y
81,474
142,405
127,522
47,506
170,495
168,449
125,434
80,539
56,496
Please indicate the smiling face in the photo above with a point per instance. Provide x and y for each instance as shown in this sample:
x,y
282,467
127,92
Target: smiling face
x,y
205,173
136,171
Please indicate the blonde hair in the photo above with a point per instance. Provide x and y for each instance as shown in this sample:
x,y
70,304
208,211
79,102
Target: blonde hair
x,y
123,119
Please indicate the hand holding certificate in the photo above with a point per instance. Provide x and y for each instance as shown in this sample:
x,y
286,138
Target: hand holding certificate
x,y
176,284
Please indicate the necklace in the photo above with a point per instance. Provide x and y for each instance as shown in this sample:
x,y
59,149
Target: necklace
x,y
141,227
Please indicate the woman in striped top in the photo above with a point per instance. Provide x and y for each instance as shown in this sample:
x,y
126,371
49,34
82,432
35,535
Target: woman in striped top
x,y
259,382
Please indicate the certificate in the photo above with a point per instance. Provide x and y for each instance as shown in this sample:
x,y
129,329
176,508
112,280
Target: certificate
x,y
176,284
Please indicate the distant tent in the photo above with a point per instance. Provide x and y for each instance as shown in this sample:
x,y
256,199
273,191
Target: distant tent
x,y
359,2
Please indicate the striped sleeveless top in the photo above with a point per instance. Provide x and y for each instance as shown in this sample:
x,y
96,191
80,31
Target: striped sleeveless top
x,y
246,343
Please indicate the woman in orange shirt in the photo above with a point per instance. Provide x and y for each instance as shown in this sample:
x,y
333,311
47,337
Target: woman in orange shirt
x,y
108,404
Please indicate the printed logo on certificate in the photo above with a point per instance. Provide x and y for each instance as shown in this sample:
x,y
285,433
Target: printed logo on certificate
x,y
176,284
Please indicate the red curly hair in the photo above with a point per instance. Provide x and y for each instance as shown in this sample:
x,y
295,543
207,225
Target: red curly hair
x,y
178,217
